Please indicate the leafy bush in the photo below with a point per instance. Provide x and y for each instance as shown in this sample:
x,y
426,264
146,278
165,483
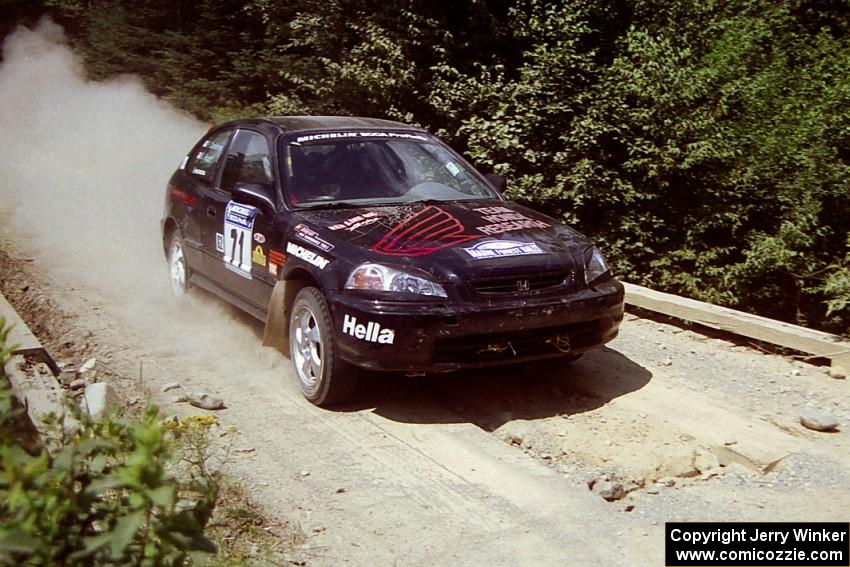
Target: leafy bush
x,y
6,349
703,144
104,494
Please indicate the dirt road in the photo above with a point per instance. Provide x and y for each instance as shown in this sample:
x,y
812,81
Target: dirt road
x,y
485,467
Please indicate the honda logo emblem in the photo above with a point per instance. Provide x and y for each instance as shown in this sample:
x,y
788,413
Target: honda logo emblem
x,y
522,285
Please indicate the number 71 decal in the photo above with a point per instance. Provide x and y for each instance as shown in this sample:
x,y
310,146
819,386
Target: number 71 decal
x,y
238,229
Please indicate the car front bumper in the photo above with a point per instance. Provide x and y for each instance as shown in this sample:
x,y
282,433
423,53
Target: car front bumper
x,y
429,337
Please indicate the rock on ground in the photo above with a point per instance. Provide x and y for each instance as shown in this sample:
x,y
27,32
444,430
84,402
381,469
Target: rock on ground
x,y
705,460
205,401
838,372
608,490
818,420
99,399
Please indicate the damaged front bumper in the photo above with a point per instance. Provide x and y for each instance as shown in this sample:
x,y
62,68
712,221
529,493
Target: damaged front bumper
x,y
439,337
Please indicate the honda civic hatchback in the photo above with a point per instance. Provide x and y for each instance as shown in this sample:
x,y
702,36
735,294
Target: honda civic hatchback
x,y
370,244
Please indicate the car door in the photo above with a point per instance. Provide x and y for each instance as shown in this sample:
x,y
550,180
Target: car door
x,y
197,176
238,235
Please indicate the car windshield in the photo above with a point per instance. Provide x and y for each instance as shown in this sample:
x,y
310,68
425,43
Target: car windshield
x,y
365,168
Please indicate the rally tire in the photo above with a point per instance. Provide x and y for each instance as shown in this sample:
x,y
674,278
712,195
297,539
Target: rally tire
x,y
324,378
178,269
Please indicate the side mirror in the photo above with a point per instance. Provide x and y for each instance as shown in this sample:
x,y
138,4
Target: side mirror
x,y
256,194
499,182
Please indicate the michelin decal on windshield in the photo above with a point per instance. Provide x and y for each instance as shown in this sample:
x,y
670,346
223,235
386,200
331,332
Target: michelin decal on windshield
x,y
502,248
338,135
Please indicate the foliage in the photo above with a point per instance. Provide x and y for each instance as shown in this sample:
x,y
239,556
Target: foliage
x,y
727,141
6,348
102,496
704,144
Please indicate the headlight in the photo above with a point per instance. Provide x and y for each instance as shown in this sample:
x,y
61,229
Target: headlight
x,y
595,265
381,278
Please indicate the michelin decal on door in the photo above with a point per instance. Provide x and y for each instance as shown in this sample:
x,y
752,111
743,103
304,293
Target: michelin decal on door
x,y
238,232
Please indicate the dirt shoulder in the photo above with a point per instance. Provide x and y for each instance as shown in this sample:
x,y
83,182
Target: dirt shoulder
x,y
487,467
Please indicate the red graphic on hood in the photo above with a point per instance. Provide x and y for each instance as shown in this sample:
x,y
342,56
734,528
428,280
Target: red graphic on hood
x,y
427,231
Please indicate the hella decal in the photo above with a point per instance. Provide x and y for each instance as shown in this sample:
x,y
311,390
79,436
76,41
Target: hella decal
x,y
502,248
371,331
307,255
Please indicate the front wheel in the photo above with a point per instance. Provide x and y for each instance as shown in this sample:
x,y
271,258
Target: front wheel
x,y
324,378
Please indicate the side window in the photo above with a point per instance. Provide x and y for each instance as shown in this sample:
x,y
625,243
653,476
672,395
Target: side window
x,y
203,162
247,161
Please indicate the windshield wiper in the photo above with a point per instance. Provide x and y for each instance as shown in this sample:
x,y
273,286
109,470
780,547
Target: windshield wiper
x,y
330,205
432,201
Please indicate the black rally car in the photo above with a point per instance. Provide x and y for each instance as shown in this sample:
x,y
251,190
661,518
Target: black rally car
x,y
371,243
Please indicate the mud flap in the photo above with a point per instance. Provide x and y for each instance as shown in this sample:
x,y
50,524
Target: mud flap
x,y
276,332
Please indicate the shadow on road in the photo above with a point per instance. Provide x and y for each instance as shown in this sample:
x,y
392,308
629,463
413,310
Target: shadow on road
x,y
492,396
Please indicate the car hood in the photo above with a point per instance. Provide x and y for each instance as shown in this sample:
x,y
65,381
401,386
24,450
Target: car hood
x,y
451,240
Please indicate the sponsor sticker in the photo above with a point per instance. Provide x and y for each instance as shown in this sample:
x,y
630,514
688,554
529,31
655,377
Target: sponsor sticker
x,y
259,238
276,260
258,257
338,135
277,257
356,222
422,233
240,215
307,255
502,248
310,236
371,332
502,219
238,227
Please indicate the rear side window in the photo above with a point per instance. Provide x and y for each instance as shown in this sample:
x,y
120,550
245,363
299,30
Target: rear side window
x,y
203,162
247,161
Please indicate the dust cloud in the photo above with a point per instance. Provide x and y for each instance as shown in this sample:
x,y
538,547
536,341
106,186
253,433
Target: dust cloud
x,y
85,164
83,172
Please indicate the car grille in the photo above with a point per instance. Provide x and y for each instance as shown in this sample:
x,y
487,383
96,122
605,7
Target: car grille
x,y
525,283
518,344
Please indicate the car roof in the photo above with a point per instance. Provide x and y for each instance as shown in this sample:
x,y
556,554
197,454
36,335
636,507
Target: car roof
x,y
319,123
